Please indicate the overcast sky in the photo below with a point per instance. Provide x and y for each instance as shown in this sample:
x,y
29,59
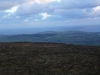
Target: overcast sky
x,y
45,13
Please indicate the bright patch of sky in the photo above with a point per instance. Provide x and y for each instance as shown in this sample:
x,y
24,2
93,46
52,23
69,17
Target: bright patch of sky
x,y
96,9
44,15
12,10
56,0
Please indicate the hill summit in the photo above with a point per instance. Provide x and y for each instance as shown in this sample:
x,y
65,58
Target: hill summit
x,y
22,58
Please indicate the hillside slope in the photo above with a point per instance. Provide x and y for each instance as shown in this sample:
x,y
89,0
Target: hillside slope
x,y
48,59
68,37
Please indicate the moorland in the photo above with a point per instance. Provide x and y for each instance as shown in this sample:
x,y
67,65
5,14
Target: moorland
x,y
25,58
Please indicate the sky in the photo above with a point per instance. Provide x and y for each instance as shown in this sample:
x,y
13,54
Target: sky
x,y
48,13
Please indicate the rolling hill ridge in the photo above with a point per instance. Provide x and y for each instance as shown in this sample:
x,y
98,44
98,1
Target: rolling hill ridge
x,y
68,37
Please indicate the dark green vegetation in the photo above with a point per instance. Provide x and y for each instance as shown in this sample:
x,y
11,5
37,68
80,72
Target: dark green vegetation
x,y
49,59
68,37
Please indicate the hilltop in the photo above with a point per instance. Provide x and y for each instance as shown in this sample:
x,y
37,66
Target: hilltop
x,y
24,58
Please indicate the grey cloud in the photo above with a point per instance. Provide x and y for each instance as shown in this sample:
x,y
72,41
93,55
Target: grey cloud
x,y
72,13
58,10
27,9
52,6
7,4
71,4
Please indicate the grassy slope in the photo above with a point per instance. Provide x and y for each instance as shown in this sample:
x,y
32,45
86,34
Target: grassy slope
x,y
48,59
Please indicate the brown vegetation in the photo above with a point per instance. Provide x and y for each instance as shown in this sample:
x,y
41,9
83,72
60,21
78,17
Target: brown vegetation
x,y
48,59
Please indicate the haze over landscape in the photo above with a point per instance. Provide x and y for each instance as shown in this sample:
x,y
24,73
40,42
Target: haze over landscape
x,y
32,16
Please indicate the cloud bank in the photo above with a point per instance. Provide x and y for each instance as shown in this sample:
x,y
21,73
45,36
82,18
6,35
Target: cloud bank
x,y
29,11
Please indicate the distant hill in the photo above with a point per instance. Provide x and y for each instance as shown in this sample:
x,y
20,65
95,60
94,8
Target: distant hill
x,y
48,59
68,37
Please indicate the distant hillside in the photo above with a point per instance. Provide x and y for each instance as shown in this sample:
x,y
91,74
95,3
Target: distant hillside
x,y
68,37
86,28
48,59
